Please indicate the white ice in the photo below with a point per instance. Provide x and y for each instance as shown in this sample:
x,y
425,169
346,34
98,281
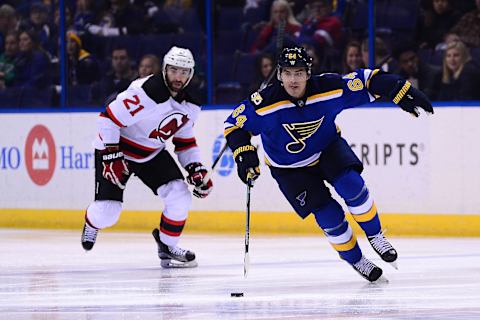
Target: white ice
x,y
47,275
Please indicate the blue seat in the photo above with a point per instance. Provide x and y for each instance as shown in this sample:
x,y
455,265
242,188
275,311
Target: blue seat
x,y
228,42
245,69
230,18
475,52
191,21
157,44
223,68
80,96
195,41
10,98
35,98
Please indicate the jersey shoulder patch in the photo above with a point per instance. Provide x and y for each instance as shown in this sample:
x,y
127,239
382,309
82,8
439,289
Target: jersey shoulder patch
x,y
272,94
156,89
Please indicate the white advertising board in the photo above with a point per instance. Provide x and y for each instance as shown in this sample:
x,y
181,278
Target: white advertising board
x,y
425,165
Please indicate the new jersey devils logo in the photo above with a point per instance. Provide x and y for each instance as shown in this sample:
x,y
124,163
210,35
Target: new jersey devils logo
x,y
167,128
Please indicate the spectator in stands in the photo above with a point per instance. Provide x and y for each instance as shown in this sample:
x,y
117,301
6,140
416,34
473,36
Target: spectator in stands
x,y
7,60
383,59
119,78
449,37
281,22
263,68
319,63
352,57
437,20
84,15
33,63
468,28
38,22
421,75
321,26
8,21
122,18
82,66
460,77
169,17
148,65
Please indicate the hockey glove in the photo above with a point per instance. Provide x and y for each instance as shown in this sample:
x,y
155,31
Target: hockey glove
x,y
115,167
410,99
247,163
198,177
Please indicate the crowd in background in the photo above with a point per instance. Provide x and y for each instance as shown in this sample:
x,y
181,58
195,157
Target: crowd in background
x,y
433,43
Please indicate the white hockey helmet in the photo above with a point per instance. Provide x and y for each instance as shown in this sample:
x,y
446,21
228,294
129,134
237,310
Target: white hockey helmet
x,y
178,57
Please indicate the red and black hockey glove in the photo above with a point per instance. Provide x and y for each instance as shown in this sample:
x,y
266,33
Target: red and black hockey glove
x,y
198,177
115,167
410,99
247,163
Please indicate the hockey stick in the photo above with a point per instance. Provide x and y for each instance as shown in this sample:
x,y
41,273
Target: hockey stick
x,y
279,46
246,259
219,156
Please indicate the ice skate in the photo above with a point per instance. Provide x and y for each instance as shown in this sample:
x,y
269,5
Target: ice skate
x,y
384,249
173,256
89,235
367,269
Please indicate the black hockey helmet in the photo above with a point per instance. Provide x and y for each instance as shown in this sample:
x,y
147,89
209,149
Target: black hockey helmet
x,y
294,57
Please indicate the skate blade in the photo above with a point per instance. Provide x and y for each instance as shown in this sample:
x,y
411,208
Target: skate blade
x,y
380,280
173,264
393,264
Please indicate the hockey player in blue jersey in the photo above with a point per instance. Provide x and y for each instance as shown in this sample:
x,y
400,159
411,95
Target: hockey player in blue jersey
x,y
295,117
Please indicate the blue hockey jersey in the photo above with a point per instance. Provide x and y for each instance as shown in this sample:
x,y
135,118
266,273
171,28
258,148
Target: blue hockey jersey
x,y
295,132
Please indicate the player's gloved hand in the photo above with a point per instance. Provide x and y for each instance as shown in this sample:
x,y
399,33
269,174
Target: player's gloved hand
x,y
115,167
410,98
198,177
247,163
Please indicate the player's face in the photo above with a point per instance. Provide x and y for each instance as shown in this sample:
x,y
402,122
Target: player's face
x,y
294,81
453,59
177,77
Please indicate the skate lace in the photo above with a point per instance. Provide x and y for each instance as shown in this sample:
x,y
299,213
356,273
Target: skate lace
x,y
364,266
90,234
178,251
380,243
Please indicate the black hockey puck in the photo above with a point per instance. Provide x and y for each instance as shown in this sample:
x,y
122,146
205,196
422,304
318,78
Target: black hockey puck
x,y
236,294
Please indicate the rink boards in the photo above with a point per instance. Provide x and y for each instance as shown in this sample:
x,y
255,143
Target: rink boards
x,y
423,173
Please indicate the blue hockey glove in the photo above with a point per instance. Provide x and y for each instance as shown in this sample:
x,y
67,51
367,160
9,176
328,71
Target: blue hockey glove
x,y
410,99
247,162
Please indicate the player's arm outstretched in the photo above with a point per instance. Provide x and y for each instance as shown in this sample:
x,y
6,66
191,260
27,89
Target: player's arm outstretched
x,y
239,127
357,85
400,92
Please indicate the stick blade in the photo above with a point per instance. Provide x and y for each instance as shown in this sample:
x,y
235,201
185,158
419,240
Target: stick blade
x,y
246,264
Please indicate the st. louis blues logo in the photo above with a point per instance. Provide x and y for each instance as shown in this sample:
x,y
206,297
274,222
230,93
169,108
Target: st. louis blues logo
x,y
167,128
301,198
300,132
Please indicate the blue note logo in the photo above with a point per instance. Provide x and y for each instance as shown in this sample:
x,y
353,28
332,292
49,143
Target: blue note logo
x,y
226,163
301,198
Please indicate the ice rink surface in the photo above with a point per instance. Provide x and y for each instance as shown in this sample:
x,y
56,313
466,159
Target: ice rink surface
x,y
47,275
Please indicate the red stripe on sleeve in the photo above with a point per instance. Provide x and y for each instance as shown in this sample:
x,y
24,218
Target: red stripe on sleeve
x,y
113,118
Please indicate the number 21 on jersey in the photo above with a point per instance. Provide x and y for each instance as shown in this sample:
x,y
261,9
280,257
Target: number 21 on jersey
x,y
133,106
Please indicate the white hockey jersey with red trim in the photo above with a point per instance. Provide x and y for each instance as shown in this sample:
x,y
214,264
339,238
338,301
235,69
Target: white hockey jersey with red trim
x,y
143,117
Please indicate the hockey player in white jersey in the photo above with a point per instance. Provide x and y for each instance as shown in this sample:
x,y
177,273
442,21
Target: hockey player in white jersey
x,y
131,138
